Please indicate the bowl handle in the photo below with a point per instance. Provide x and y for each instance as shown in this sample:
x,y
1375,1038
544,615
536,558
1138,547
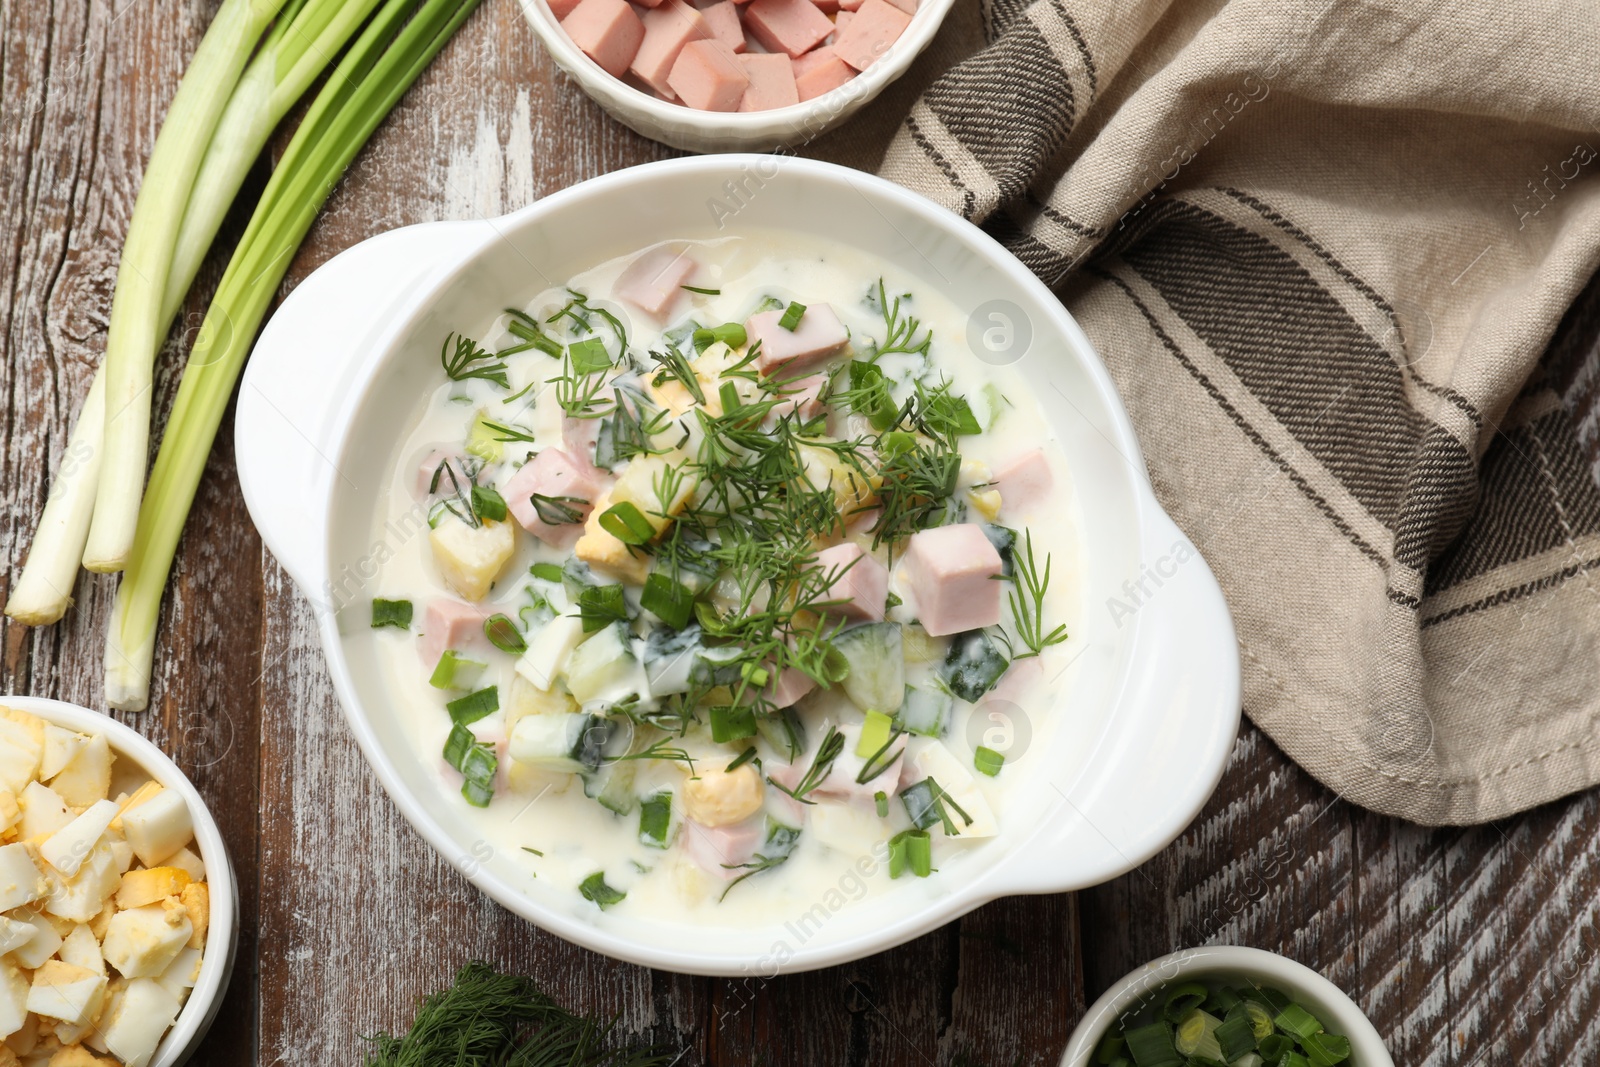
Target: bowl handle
x,y
305,371
1183,697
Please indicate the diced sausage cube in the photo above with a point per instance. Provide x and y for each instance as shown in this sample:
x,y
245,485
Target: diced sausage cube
x,y
721,850
951,571
818,334
849,5
578,438
771,82
708,76
562,8
801,397
793,27
723,18
607,31
858,580
1024,482
823,73
827,7
552,473
908,6
450,623
666,30
877,25
790,685
654,281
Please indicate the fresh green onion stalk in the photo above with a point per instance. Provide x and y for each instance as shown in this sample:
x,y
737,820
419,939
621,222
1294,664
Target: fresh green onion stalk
x,y
300,45
136,328
365,87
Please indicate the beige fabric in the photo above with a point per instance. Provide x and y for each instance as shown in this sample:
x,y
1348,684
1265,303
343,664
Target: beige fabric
x,y
1322,247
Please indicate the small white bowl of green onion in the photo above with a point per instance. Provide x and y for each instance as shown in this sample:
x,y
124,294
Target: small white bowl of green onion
x,y
1237,1007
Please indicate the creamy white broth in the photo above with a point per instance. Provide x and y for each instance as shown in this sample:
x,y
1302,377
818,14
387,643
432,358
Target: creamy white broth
x,y
841,847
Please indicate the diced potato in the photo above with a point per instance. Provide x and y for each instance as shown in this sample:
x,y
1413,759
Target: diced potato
x,y
721,798
640,485
14,986
524,698
150,884
469,558
60,746
133,1027
192,864
986,502
548,649
62,991
158,827
852,490
43,811
602,551
68,848
41,946
82,949
21,881
88,777
21,747
196,900
140,942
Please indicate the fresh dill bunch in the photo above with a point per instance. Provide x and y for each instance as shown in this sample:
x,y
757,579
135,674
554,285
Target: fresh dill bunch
x,y
487,1019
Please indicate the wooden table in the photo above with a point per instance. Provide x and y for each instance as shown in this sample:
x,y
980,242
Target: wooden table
x,y
1464,946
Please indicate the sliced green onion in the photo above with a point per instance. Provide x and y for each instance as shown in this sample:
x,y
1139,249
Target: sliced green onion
x,y
880,800
1151,1046
504,635
595,888
375,72
792,314
474,706
396,613
1182,999
476,761
527,328
627,524
874,733
1235,1037
729,333
488,503
730,722
1294,1019
1195,1035
655,817
1110,1048
600,606
1274,1047
667,599
549,572
1260,1018
1326,1050
455,671
988,761
589,356
910,850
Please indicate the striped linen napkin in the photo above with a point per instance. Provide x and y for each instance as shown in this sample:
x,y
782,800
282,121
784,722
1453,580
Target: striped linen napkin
x,y
1325,249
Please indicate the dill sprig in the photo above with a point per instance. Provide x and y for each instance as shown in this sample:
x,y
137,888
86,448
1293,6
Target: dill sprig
x,y
675,367
900,334
662,749
581,312
487,1019
579,394
466,360
821,764
757,864
1027,601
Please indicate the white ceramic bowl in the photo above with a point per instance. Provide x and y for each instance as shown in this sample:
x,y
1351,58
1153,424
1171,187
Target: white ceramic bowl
x,y
1153,702
734,131
222,938
1336,1011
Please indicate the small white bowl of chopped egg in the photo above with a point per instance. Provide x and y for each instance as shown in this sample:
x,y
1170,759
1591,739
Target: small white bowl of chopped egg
x,y
727,76
117,903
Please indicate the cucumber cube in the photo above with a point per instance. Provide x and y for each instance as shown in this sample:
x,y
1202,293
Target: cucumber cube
x,y
876,655
569,741
874,734
925,712
973,665
669,659
603,667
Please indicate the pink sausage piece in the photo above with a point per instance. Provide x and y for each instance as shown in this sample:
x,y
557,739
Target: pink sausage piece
x,y
578,437
666,30
607,31
552,473
653,281
771,82
562,8
820,71
708,76
819,334
849,5
950,570
450,623
723,18
802,397
876,26
1024,481
858,580
908,6
840,21
718,850
793,27
788,687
